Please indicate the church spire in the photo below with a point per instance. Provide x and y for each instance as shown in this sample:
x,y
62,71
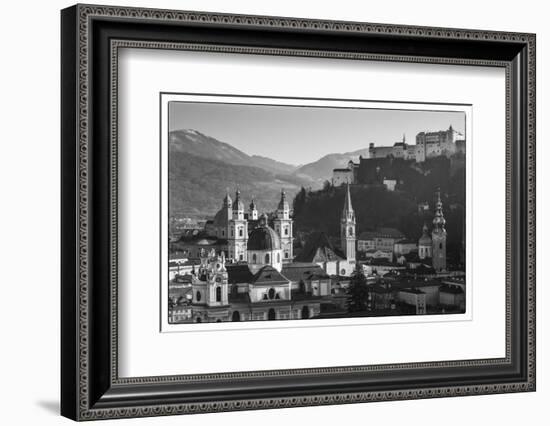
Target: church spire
x,y
283,204
347,228
439,220
439,237
348,208
227,202
238,204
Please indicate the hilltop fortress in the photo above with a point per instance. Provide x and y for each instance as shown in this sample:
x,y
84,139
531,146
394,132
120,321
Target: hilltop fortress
x,y
428,145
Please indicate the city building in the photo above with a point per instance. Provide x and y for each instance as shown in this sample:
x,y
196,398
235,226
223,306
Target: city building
x,y
383,239
428,145
261,279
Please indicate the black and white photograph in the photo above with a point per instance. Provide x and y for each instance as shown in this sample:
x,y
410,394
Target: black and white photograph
x,y
286,207
314,211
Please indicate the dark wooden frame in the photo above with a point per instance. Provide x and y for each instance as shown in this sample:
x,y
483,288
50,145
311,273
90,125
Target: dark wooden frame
x,y
90,387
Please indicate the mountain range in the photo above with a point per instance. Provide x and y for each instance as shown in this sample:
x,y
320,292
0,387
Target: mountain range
x,y
202,169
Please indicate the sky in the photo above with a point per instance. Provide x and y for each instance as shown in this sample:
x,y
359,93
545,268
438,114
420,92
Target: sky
x,y
300,135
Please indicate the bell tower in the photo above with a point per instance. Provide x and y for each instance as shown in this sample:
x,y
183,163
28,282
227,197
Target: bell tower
x,y
252,211
216,280
238,231
283,227
439,237
347,228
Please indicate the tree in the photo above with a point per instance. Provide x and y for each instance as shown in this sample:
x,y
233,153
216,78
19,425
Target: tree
x,y
299,202
358,291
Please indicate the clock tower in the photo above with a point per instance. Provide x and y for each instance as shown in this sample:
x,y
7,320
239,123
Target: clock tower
x,y
439,237
347,228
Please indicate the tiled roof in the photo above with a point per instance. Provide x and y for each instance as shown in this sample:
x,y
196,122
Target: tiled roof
x,y
303,271
238,273
268,275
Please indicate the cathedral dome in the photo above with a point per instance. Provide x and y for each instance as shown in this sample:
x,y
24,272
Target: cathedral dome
x,y
221,218
263,237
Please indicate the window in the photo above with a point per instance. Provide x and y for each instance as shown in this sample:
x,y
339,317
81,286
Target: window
x,y
241,257
254,258
218,294
240,232
440,246
198,296
271,293
286,254
278,257
266,258
286,231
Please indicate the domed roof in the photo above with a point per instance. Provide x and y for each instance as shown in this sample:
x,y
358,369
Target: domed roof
x,y
283,204
263,237
238,204
227,201
221,218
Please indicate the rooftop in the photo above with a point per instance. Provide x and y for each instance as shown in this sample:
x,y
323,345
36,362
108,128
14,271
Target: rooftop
x,y
381,233
268,275
318,248
297,271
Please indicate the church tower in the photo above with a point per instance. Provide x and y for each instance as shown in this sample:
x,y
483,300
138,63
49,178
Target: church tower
x,y
217,280
252,211
225,216
439,237
238,231
283,227
347,228
425,244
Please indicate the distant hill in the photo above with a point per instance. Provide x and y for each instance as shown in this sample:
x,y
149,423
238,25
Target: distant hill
x,y
274,166
321,170
197,185
201,145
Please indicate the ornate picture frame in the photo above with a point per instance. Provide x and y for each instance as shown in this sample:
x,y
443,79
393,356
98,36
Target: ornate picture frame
x,y
91,37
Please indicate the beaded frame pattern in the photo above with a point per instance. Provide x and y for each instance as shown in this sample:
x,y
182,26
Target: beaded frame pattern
x,y
86,12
